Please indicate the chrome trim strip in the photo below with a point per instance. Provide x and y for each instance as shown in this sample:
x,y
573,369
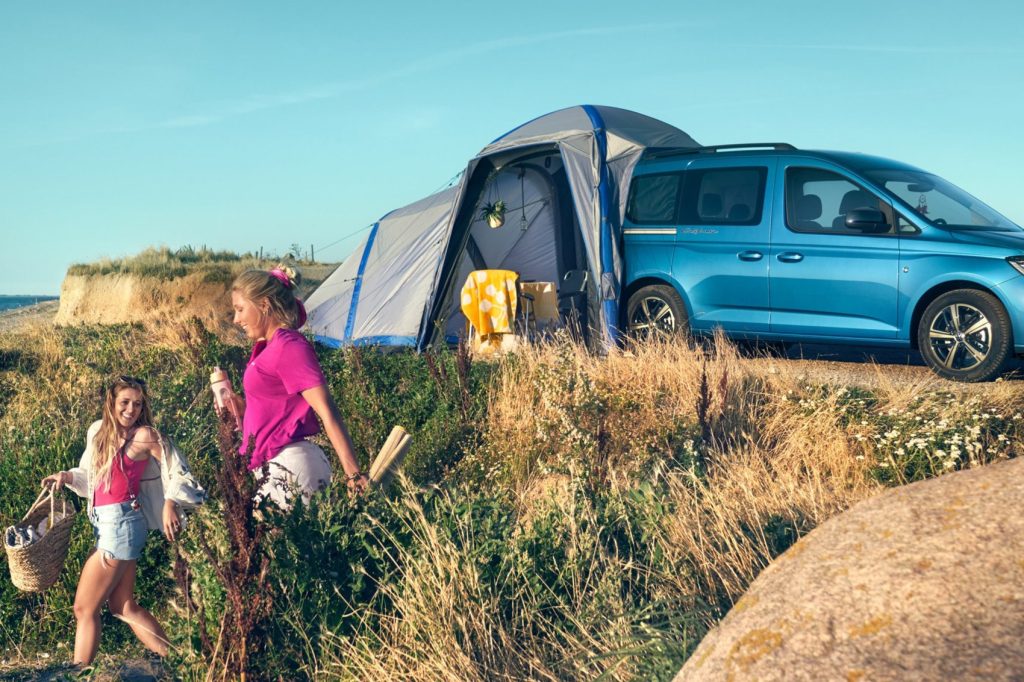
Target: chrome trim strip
x,y
650,230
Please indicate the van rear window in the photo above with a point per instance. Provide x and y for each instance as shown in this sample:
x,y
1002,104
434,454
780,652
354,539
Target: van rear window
x,y
723,196
653,199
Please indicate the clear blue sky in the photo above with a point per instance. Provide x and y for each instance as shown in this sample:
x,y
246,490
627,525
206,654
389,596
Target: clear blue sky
x,y
237,125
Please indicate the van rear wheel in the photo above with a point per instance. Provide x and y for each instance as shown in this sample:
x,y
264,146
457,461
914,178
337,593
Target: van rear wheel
x,y
965,335
656,310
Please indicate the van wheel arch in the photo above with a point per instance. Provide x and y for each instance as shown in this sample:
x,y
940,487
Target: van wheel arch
x,y
646,282
966,335
934,293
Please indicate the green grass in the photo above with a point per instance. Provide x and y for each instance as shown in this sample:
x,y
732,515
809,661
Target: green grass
x,y
164,263
563,516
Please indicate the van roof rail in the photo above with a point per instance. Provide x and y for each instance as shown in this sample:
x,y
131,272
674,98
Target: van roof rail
x,y
777,146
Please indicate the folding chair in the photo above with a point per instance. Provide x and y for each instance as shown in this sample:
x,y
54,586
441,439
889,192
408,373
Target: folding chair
x,y
572,297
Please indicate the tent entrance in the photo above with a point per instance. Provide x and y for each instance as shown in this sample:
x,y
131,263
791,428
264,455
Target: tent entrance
x,y
540,238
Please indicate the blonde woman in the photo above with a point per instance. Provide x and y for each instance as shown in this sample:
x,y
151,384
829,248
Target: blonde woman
x,y
126,498
285,392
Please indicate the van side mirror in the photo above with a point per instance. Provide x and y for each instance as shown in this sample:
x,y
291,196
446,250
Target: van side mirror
x,y
868,220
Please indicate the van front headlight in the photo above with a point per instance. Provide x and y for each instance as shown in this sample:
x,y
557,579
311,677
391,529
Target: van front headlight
x,y
1017,262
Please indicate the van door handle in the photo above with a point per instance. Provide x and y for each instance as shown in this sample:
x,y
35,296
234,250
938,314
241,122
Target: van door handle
x,y
790,257
750,255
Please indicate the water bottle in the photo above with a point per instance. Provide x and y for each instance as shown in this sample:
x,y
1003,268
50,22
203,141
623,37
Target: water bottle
x,y
223,395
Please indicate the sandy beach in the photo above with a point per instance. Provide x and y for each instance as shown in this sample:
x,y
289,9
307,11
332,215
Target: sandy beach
x,y
39,313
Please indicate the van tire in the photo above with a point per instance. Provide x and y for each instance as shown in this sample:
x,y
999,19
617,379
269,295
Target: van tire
x,y
950,347
656,310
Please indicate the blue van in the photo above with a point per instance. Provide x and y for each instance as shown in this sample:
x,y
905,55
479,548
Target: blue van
x,y
773,243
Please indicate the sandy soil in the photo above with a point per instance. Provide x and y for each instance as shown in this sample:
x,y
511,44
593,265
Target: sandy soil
x,y
867,367
40,313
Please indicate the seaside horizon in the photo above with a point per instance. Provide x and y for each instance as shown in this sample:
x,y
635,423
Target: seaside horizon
x,y
13,301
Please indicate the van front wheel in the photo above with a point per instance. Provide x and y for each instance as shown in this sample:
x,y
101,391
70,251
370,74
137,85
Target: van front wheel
x,y
965,335
656,311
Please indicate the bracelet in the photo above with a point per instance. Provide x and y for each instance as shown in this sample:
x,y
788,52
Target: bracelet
x,y
353,477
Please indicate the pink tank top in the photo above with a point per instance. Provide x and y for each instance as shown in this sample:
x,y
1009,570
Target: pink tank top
x,y
125,477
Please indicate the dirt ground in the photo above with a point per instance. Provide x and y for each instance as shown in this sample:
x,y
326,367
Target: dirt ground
x,y
106,669
865,367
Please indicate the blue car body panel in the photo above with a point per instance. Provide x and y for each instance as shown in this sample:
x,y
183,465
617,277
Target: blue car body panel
x,y
772,282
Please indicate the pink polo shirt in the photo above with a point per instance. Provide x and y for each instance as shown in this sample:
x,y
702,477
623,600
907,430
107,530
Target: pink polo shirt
x,y
276,414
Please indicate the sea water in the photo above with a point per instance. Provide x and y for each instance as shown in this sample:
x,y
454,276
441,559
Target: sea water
x,y
10,302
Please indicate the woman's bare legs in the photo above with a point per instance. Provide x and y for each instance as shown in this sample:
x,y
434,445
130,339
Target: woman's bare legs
x,y
122,603
94,587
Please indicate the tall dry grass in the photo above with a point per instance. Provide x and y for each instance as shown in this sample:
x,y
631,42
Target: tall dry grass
x,y
735,458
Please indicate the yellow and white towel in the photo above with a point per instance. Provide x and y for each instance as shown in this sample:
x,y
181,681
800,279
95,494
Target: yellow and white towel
x,y
489,302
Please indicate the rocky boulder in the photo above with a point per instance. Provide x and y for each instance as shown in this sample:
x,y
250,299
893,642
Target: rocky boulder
x,y
924,582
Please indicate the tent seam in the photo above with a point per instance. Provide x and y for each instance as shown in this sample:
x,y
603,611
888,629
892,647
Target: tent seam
x,y
350,323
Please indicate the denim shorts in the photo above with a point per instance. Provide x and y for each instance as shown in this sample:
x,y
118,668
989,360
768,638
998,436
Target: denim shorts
x,y
120,530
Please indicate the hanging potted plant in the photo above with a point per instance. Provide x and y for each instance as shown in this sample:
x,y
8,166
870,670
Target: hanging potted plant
x,y
494,213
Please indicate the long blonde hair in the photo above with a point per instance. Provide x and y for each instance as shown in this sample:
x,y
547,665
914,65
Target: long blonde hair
x,y
105,442
277,288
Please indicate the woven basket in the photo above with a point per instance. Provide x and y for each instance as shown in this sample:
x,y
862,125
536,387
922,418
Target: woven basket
x,y
36,567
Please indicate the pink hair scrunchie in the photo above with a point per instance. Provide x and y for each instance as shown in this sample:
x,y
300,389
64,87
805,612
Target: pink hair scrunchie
x,y
282,277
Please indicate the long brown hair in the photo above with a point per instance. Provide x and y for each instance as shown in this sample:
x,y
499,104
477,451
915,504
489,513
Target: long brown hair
x,y
277,288
105,442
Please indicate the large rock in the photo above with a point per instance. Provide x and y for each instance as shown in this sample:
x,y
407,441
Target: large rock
x,y
925,582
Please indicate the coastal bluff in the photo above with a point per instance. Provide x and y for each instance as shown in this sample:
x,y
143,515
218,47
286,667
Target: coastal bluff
x,y
118,298
115,298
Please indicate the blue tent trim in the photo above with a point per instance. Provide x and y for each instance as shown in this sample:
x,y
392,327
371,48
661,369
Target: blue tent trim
x,y
351,322
330,342
409,341
611,306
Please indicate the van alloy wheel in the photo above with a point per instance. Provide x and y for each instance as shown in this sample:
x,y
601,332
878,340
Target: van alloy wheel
x,y
960,336
965,335
656,311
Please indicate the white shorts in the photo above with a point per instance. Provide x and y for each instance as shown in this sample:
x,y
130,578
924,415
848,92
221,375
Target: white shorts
x,y
300,467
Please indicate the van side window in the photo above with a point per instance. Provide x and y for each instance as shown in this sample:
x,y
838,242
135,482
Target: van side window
x,y
723,196
653,199
818,200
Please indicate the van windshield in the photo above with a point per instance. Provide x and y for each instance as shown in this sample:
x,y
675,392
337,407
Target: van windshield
x,y
939,201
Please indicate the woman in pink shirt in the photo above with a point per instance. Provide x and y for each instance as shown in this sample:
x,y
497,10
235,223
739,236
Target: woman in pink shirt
x,y
285,392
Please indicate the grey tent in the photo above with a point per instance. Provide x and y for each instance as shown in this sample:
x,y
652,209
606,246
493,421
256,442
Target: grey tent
x,y
563,177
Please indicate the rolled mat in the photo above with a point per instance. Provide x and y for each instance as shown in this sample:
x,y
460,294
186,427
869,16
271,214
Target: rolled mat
x,y
390,458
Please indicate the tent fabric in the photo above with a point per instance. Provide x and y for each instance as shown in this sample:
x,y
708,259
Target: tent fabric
x,y
400,285
393,271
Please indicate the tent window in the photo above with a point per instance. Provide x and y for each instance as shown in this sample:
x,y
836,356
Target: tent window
x,y
653,198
